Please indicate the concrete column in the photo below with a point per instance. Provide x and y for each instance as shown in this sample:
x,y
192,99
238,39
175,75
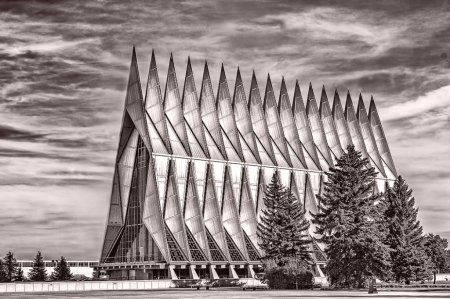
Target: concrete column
x,y
319,271
124,274
232,272
193,273
172,273
250,271
213,272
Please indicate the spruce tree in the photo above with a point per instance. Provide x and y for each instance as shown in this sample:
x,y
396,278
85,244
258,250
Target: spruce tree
x,y
435,249
10,266
3,276
38,272
283,230
19,275
349,221
409,261
62,271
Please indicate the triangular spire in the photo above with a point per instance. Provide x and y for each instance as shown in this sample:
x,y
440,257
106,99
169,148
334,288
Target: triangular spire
x,y
258,120
339,121
212,215
172,211
125,166
154,104
354,128
230,215
134,103
152,212
380,138
368,136
115,220
303,126
192,212
172,106
191,111
317,128
243,119
226,115
209,112
289,128
247,211
274,122
328,125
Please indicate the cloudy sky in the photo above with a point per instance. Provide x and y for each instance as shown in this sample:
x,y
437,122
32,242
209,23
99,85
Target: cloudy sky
x,y
64,68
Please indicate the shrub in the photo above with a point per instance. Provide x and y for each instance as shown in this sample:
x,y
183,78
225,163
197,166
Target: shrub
x,y
279,278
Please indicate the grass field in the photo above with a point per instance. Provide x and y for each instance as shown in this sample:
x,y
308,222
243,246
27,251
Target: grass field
x,y
219,293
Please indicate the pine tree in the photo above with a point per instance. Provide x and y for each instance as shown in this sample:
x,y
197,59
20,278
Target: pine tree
x,y
10,266
435,249
349,221
283,230
38,272
409,260
19,275
62,271
3,276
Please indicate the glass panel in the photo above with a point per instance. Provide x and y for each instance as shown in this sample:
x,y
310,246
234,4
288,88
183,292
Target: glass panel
x,y
218,169
236,176
253,172
200,174
161,165
181,166
285,176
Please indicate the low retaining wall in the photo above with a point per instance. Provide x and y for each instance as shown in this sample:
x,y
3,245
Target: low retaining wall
x,y
69,286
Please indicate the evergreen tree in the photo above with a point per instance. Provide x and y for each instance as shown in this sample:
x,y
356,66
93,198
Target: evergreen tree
x,y
19,275
409,261
62,271
349,221
3,275
10,266
38,272
435,248
283,229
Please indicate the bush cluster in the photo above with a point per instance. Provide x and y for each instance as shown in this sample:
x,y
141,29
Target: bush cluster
x,y
279,278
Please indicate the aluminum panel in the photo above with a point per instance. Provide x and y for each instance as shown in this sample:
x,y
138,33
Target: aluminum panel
x,y
368,136
259,123
192,211
181,166
227,119
243,120
294,144
162,165
154,104
211,214
253,179
213,149
316,126
158,145
209,113
125,168
152,214
279,157
191,111
310,203
196,150
330,130
247,211
381,140
232,154
274,123
172,211
354,128
172,105
304,128
249,157
200,179
230,215
177,145
340,122
218,169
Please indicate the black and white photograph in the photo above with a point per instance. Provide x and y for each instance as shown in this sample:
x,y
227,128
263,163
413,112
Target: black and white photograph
x,y
224,148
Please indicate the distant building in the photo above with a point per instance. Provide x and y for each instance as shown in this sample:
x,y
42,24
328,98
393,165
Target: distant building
x,y
85,268
191,171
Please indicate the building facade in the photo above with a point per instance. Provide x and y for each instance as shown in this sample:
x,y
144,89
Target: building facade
x,y
191,170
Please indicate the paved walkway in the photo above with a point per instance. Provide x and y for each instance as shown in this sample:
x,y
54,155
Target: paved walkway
x,y
222,293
